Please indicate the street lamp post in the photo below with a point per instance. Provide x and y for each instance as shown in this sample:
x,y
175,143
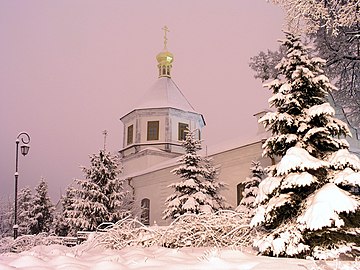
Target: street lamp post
x,y
24,148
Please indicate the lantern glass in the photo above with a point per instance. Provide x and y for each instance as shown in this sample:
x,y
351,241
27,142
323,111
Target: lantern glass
x,y
24,149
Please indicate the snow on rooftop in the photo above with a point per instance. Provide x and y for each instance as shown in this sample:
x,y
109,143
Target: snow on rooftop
x,y
235,143
211,151
165,94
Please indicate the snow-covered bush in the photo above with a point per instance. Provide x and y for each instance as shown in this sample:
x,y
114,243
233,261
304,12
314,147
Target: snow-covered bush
x,y
308,202
26,242
222,229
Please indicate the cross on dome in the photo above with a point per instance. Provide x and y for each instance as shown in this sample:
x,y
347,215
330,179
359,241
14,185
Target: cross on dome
x,y
105,133
166,29
165,58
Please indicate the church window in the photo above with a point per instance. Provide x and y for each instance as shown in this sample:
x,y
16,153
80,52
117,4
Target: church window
x,y
145,211
183,128
152,130
239,190
130,134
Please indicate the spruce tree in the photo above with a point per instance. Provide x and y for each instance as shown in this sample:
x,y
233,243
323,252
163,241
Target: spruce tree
x,y
247,204
41,214
101,195
64,223
198,191
6,217
25,207
308,203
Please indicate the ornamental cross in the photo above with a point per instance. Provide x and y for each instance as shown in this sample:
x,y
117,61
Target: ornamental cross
x,y
105,133
166,29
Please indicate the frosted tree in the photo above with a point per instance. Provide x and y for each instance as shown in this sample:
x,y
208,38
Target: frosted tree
x,y
308,203
64,222
198,191
334,27
311,15
101,195
247,204
42,211
25,208
6,217
212,185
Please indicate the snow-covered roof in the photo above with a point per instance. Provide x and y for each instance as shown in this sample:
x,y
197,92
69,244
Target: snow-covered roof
x,y
164,94
220,148
235,142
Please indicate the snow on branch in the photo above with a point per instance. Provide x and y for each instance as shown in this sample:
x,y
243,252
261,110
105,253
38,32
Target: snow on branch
x,y
324,206
297,180
343,158
297,158
322,109
347,177
266,187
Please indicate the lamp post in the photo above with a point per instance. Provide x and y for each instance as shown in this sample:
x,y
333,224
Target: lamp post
x,y
24,148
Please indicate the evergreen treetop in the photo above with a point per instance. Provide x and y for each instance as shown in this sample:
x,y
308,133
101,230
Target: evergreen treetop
x,y
302,117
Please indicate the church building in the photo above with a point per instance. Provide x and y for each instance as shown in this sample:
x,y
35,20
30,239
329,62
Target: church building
x,y
152,137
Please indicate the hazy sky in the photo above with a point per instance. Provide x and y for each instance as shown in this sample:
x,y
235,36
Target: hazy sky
x,y
70,69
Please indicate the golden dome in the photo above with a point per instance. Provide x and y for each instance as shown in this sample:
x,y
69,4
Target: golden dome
x,y
165,57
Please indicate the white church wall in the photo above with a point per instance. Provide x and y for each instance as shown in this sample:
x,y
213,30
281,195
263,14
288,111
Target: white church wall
x,y
154,186
145,158
234,168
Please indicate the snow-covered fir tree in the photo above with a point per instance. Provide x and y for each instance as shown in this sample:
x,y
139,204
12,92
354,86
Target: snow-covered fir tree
x,y
101,196
6,217
42,211
25,208
198,191
63,220
247,204
308,203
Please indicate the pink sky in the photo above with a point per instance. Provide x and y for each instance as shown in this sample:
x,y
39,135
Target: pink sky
x,y
70,69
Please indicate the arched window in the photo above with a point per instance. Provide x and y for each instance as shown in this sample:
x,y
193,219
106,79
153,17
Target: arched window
x,y
145,211
239,190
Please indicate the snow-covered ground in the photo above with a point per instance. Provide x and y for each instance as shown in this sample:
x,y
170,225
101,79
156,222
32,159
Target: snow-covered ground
x,y
155,258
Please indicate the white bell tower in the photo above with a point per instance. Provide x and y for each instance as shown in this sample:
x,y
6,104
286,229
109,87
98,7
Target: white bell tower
x,y
154,129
